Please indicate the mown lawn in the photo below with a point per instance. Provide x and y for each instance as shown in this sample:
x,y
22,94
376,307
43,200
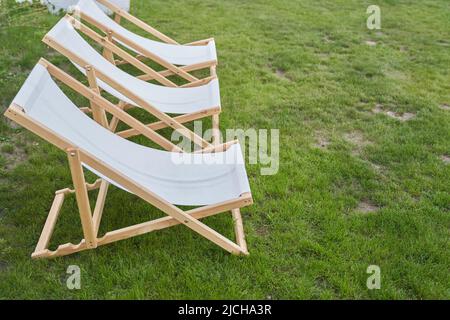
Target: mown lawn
x,y
364,171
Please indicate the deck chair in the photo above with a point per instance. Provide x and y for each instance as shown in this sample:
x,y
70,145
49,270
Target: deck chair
x,y
188,103
110,48
176,58
210,186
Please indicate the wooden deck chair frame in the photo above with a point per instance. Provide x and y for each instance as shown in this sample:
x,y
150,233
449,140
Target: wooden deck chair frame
x,y
165,120
107,44
171,69
91,221
110,48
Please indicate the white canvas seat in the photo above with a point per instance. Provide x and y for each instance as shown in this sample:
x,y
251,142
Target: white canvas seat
x,y
166,99
174,53
218,182
193,184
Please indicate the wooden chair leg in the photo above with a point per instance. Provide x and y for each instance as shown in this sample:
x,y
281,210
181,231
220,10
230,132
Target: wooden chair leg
x,y
50,223
41,250
115,121
213,70
108,54
216,130
100,205
215,117
113,236
98,113
128,232
82,197
239,230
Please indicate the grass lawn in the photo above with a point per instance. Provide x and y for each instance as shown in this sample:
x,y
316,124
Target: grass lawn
x,y
364,119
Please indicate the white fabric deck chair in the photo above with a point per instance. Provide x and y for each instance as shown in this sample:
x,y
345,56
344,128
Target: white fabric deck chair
x,y
193,56
151,174
189,103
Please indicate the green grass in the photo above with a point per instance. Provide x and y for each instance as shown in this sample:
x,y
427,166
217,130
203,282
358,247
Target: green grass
x,y
300,66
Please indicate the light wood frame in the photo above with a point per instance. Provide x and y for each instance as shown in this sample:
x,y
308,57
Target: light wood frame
x,y
165,120
91,221
110,48
119,13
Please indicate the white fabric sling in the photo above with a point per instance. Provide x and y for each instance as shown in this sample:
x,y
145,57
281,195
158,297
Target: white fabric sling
x,y
166,99
173,53
207,179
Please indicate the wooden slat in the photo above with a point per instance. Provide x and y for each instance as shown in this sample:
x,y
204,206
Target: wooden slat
x,y
122,62
161,125
62,250
218,148
166,222
191,67
86,110
198,83
89,187
199,42
244,200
